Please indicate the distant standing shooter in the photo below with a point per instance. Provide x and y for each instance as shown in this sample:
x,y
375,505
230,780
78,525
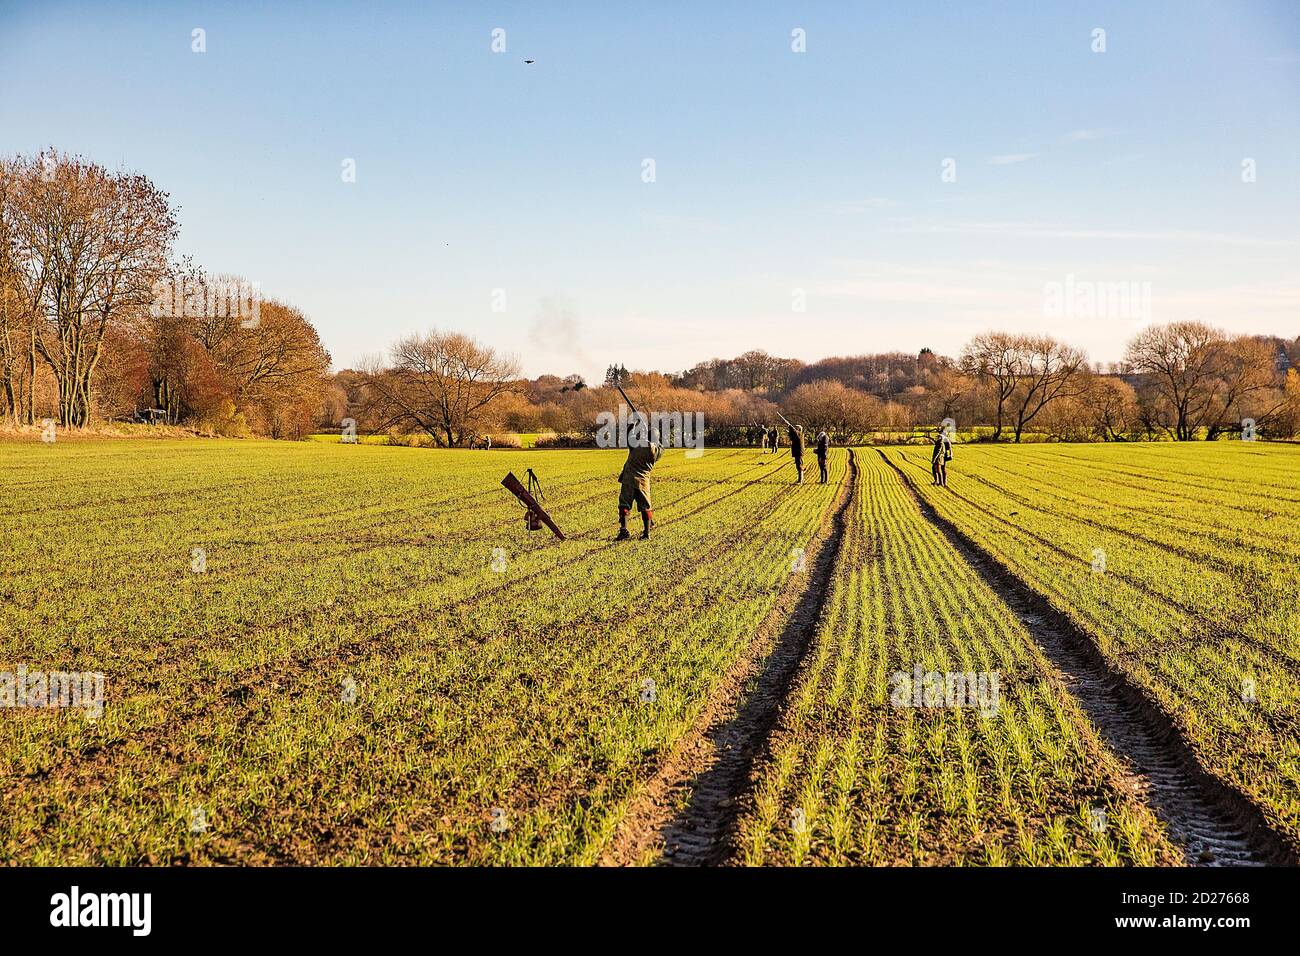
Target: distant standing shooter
x,y
940,455
796,450
635,487
821,449
773,439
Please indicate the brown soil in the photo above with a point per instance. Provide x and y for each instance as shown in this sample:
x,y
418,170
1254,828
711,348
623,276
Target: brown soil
x,y
685,815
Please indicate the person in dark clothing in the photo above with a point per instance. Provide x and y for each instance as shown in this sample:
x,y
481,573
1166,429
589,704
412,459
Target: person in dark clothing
x,y
634,482
773,439
940,455
796,450
821,450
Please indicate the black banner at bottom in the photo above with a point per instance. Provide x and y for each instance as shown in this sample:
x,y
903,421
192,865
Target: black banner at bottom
x,y
338,906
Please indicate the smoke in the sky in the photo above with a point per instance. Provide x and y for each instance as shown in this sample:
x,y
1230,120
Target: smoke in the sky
x,y
555,329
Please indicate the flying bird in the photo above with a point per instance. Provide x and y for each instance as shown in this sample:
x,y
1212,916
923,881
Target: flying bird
x,y
530,61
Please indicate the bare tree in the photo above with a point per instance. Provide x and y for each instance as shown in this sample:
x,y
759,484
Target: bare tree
x,y
1198,376
1248,386
946,393
14,330
1179,360
440,383
845,413
87,246
753,369
1111,406
1048,370
15,320
994,358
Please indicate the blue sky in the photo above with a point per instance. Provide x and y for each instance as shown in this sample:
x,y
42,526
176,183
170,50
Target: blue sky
x,y
779,176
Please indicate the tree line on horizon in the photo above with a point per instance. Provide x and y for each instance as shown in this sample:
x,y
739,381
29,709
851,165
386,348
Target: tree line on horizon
x,y
1179,381
100,322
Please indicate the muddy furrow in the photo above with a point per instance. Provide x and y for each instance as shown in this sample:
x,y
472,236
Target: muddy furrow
x,y
1213,824
686,814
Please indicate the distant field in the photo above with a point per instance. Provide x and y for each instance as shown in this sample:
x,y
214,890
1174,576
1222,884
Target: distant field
x,y
525,439
326,438
369,660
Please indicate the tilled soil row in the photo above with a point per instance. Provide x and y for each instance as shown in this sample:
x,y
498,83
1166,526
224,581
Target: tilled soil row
x,y
1213,824
685,815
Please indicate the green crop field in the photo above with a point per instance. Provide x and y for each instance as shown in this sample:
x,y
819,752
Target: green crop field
x,y
325,653
855,778
358,674
1181,562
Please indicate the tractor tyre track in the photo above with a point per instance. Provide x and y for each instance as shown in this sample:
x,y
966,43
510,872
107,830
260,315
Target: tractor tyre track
x,y
1218,630
686,813
1212,823
1215,630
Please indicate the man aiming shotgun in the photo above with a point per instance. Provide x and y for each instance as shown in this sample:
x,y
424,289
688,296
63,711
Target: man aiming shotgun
x,y
796,447
634,480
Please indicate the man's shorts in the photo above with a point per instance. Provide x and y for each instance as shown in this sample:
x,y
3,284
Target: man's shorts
x,y
635,491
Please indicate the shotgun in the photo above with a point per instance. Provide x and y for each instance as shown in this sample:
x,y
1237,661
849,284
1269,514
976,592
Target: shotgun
x,y
628,400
